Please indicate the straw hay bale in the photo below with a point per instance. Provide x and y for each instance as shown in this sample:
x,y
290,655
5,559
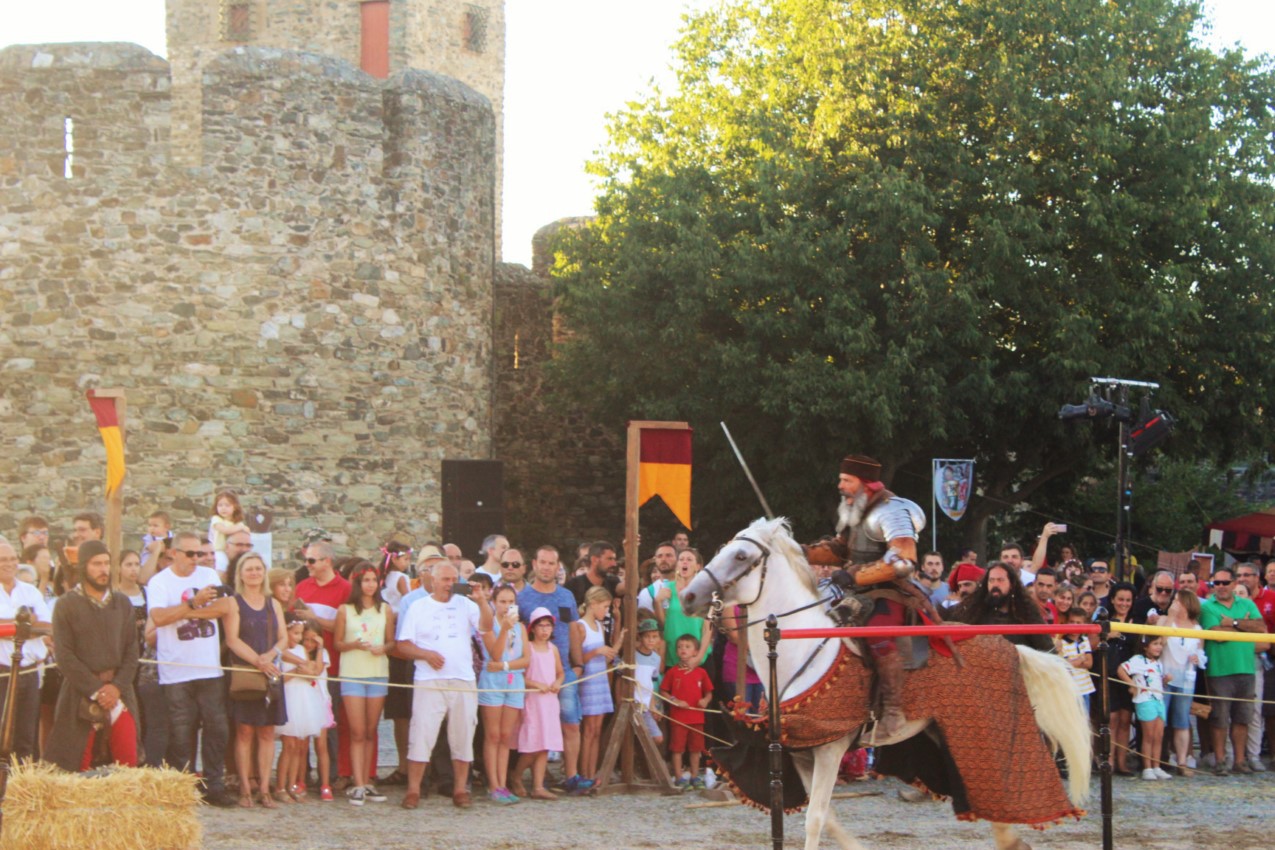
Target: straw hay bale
x,y
129,808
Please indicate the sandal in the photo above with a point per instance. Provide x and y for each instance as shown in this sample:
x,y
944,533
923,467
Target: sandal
x,y
282,796
267,802
542,794
398,777
245,801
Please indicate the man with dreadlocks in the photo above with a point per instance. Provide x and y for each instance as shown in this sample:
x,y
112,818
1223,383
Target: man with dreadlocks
x,y
1000,599
875,545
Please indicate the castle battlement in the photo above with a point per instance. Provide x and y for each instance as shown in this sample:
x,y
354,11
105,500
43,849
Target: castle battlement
x,y
306,313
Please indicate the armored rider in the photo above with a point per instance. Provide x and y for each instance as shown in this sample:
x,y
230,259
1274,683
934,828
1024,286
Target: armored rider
x,y
875,546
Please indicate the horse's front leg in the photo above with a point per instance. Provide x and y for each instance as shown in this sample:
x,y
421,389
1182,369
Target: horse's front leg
x,y
1007,838
820,777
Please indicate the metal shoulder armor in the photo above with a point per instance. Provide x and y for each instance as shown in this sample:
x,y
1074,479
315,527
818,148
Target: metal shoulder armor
x,y
895,517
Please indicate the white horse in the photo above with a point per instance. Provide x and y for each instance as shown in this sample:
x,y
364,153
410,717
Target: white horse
x,y
764,568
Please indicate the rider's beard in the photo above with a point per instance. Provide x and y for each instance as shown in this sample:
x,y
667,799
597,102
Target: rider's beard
x,y
850,514
996,596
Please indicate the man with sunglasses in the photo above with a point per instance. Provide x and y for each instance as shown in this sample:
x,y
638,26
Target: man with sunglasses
x,y
325,591
1150,608
513,571
183,606
1231,669
1100,574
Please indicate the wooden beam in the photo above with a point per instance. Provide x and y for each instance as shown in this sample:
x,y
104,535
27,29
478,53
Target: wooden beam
x,y
113,531
632,562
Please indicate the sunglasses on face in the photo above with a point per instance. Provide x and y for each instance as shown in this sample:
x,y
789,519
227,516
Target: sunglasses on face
x,y
189,553
313,560
1222,582
513,564
1163,589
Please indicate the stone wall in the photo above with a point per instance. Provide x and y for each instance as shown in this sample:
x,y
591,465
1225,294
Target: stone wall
x,y
564,472
424,35
305,318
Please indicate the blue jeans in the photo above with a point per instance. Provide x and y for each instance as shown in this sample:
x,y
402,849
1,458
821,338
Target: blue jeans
x,y
200,706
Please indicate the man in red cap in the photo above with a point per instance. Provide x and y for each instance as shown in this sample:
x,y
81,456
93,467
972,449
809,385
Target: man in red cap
x,y
875,544
963,581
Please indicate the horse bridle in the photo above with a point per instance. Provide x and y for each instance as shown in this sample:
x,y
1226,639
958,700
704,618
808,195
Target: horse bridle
x,y
720,589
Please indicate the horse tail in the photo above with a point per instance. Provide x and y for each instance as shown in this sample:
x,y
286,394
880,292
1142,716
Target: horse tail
x,y
1060,714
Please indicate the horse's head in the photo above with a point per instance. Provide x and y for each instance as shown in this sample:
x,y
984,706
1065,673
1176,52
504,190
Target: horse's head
x,y
732,573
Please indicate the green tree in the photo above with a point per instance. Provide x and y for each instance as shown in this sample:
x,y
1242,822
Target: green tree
x,y
915,229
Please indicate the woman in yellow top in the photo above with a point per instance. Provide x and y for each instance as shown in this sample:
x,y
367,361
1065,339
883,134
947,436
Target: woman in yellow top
x,y
364,632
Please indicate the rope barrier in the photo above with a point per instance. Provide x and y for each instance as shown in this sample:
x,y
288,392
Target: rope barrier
x,y
1194,696
667,699
22,671
413,685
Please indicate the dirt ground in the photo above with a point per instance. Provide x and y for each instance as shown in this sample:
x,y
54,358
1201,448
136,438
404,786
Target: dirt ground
x,y
1201,812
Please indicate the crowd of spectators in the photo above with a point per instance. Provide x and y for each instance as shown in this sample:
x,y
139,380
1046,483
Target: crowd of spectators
x,y
1169,697
272,683
501,671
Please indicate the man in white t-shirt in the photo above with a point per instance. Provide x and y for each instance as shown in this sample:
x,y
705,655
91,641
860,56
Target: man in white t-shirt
x,y
184,604
436,632
15,595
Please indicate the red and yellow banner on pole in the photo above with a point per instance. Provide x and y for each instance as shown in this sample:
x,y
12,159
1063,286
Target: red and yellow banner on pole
x,y
665,470
108,424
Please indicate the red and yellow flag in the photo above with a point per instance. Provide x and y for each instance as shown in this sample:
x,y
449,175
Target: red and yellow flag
x,y
108,424
665,470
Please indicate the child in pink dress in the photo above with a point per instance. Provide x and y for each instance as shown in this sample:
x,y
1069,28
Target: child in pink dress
x,y
541,727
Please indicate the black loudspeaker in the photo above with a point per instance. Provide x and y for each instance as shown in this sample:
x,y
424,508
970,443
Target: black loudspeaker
x,y
473,503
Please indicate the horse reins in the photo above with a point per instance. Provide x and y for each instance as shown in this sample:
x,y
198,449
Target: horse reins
x,y
721,589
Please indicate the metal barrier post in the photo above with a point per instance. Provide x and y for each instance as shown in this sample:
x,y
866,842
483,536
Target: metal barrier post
x,y
776,746
1104,729
22,633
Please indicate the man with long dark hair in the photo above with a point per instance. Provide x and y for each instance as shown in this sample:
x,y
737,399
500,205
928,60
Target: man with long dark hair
x,y
1001,599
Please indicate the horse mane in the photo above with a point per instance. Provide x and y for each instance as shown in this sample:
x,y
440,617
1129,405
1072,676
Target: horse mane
x,y
778,532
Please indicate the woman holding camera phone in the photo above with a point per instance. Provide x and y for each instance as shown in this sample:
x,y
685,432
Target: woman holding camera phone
x,y
500,690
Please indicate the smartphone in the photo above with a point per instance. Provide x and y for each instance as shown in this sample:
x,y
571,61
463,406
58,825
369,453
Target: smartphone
x,y
513,609
1062,527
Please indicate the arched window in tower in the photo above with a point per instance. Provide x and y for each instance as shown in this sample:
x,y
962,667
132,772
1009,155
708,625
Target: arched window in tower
x,y
476,28
374,54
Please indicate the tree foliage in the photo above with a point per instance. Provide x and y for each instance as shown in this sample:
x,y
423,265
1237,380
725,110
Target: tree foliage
x,y
916,228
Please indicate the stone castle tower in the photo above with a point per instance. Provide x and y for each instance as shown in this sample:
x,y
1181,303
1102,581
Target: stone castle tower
x,y
464,40
285,262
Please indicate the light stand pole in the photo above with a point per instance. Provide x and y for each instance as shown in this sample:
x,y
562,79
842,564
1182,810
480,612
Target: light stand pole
x,y
1135,437
1123,506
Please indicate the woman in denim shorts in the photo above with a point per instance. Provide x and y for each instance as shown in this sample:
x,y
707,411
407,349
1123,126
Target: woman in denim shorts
x,y
364,632
500,690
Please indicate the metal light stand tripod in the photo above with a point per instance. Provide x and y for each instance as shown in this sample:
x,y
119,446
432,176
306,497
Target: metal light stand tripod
x,y
21,634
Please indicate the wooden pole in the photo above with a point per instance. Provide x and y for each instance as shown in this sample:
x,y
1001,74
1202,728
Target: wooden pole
x,y
631,577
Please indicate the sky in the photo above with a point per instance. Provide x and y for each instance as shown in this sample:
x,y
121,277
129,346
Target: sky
x,y
568,64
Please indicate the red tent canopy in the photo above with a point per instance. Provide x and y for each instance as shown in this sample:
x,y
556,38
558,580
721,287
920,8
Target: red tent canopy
x,y
1260,524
